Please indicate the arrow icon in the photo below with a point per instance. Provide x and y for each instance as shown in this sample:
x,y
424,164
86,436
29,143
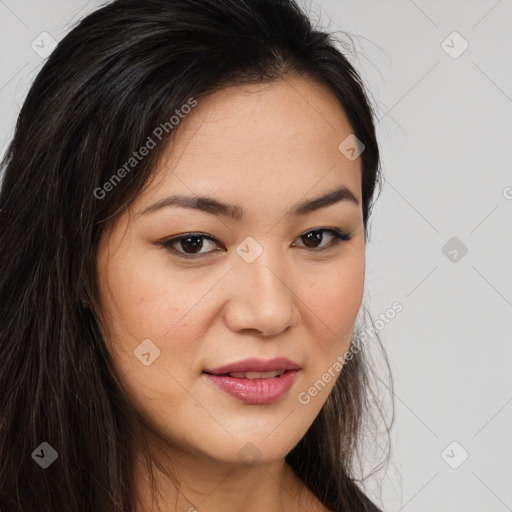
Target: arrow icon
x,y
351,147
454,45
249,249
454,249
454,455
147,352
45,455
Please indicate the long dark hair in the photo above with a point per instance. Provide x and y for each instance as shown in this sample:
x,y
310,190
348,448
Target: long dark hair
x,y
124,71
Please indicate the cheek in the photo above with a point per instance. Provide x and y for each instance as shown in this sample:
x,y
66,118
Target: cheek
x,y
335,298
139,302
143,298
335,301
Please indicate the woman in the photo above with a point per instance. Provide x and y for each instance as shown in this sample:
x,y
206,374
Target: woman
x,y
184,214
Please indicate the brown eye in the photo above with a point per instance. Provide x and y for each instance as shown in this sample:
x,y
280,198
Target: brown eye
x,y
313,238
189,245
192,243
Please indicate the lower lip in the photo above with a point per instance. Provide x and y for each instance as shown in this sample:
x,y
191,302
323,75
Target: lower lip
x,y
254,391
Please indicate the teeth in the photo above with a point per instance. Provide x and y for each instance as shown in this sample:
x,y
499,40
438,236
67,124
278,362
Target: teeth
x,y
256,375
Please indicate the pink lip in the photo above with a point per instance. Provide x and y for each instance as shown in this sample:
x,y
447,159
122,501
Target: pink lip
x,y
254,391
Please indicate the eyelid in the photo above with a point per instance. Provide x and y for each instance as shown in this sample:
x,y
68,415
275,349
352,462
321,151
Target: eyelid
x,y
339,236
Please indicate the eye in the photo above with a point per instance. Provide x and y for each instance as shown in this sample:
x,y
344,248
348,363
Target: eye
x,y
192,242
313,237
188,246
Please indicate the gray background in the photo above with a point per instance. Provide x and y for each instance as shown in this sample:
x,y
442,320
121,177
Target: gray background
x,y
445,136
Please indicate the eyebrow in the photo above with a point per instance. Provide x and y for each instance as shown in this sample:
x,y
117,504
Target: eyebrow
x,y
235,212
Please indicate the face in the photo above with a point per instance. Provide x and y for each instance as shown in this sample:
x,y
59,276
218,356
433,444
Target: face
x,y
186,289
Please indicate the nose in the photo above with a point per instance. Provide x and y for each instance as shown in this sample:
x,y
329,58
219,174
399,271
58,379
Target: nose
x,y
262,300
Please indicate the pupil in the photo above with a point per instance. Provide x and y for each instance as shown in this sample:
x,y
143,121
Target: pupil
x,y
196,247
313,236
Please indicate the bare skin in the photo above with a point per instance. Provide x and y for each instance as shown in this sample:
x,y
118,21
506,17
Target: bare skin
x,y
265,148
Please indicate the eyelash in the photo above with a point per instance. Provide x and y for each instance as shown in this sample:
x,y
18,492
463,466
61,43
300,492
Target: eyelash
x,y
339,237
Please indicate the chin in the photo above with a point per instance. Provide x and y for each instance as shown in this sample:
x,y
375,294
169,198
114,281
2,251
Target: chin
x,y
252,447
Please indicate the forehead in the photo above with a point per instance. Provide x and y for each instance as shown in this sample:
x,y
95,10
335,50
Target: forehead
x,y
263,118
270,142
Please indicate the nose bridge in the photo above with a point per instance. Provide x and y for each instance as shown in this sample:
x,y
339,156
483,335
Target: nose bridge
x,y
262,297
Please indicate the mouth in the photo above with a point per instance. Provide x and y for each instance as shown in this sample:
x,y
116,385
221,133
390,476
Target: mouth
x,y
254,381
255,368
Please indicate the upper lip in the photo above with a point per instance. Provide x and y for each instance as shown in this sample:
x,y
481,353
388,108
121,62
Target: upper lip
x,y
256,365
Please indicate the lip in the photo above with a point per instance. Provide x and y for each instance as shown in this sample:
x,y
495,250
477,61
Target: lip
x,y
256,365
254,391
